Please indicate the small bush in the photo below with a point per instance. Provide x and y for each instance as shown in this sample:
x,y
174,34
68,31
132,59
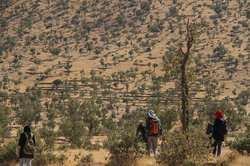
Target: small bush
x,y
241,144
124,147
55,51
4,114
57,82
49,137
44,159
61,159
180,148
168,118
80,121
8,152
121,19
87,158
47,158
32,69
89,146
243,97
76,136
98,51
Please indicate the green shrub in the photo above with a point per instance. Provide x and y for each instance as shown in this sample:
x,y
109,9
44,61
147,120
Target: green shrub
x,y
61,159
121,19
55,51
219,51
74,131
98,51
243,97
29,109
8,152
4,119
63,147
124,147
49,137
32,69
168,118
44,159
89,146
241,144
87,158
180,148
108,124
77,116
145,6
173,11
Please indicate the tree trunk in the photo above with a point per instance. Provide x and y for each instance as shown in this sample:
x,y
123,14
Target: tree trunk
x,y
184,96
184,84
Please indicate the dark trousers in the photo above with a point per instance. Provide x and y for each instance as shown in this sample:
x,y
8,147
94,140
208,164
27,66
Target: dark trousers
x,y
217,144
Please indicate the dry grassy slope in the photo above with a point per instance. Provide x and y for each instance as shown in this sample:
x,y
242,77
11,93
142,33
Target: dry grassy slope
x,y
54,21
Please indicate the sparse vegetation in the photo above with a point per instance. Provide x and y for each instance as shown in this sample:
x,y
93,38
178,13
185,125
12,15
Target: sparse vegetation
x,y
72,126
178,148
77,69
8,152
242,144
124,148
4,120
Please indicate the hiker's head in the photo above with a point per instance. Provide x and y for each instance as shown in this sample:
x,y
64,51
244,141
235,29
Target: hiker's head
x,y
140,123
218,114
151,114
27,129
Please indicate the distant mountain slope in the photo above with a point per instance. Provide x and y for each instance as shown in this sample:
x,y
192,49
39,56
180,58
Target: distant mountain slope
x,y
42,41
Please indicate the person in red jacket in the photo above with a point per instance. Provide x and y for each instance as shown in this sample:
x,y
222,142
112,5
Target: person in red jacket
x,y
220,129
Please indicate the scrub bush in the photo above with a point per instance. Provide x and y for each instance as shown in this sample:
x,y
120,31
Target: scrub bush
x,y
180,148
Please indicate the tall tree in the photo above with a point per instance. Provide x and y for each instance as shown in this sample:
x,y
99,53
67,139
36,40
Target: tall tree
x,y
177,66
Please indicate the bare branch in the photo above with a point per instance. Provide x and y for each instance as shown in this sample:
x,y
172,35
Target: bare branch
x,y
181,51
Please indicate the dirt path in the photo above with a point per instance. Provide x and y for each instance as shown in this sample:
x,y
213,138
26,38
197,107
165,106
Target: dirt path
x,y
227,154
214,160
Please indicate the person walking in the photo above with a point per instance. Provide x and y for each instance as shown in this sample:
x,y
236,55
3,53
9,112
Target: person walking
x,y
220,129
26,147
154,130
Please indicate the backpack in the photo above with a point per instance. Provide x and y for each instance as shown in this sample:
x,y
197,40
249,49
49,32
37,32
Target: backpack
x,y
223,127
154,127
29,146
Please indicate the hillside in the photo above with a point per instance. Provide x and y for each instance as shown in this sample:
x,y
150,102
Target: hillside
x,y
115,48
39,39
109,52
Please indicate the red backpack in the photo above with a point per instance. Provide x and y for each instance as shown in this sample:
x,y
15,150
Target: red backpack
x,y
154,127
